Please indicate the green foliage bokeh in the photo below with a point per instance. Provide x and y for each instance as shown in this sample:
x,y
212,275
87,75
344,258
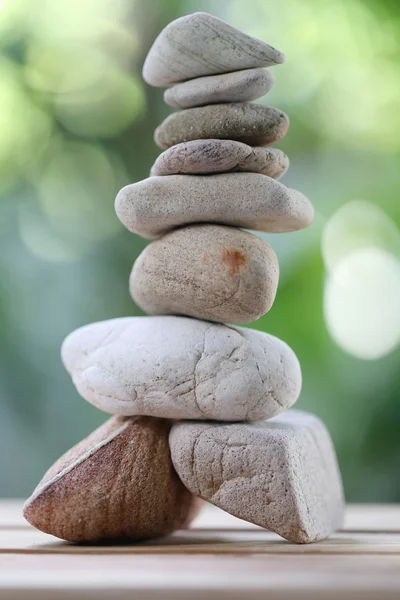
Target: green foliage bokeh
x,y
76,124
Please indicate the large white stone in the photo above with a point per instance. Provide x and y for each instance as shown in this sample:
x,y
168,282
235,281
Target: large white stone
x,y
200,44
281,474
182,368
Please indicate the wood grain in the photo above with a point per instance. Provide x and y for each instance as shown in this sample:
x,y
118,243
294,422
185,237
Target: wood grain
x,y
221,557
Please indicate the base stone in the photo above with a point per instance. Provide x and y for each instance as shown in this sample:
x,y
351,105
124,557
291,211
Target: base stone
x,y
281,474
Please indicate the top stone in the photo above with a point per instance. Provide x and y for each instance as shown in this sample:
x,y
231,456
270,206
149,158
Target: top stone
x,y
200,44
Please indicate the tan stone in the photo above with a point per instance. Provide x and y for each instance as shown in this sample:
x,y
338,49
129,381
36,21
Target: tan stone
x,y
206,271
155,205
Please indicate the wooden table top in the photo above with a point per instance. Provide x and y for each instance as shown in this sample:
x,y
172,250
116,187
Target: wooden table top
x,y
221,557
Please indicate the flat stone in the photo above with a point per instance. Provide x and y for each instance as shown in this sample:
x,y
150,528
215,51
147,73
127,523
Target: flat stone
x,y
220,156
155,205
117,483
200,44
281,474
239,86
252,124
182,368
208,272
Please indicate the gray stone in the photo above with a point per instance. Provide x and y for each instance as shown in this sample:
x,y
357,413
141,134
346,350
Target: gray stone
x,y
240,86
200,44
208,272
252,124
281,474
155,205
181,368
220,156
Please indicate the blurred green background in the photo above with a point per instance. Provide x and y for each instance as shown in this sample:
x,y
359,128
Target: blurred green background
x,y
76,124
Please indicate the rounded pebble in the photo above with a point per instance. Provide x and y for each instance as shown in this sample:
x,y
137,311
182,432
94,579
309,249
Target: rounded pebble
x,y
239,86
200,157
206,271
158,204
252,124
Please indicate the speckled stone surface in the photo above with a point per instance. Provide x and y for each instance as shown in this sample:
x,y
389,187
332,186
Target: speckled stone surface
x,y
206,271
155,205
240,86
200,157
201,44
252,124
281,474
117,483
182,368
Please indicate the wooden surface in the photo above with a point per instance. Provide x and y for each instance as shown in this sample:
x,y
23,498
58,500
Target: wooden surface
x,y
220,557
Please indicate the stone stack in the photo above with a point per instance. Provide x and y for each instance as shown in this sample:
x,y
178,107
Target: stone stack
x,y
195,399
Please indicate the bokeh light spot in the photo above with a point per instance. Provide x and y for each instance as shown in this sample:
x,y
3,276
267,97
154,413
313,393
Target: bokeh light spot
x,y
41,240
25,128
358,224
361,303
76,192
105,109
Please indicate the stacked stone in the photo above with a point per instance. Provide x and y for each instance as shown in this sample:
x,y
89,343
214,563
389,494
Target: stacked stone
x,y
141,474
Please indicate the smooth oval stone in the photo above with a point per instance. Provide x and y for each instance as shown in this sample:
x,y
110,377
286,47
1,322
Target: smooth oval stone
x,y
118,483
220,156
240,86
252,124
181,368
281,474
200,44
157,204
208,272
